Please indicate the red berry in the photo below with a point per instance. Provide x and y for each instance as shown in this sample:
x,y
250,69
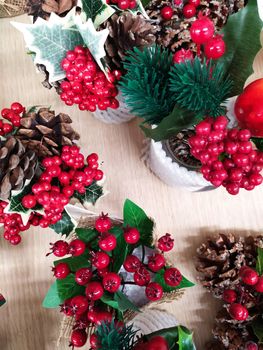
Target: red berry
x,y
249,276
189,10
157,343
154,291
59,248
156,262
215,47
238,312
172,277
100,260
107,242
111,282
167,13
15,239
229,296
102,316
259,286
251,346
165,243
123,4
194,2
61,270
94,290
142,277
93,341
79,304
17,107
131,263
103,223
182,55
83,276
29,201
202,30
78,338
131,235
77,247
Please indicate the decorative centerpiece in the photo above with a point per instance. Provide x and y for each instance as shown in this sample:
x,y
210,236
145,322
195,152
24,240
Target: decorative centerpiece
x,y
231,268
42,170
115,268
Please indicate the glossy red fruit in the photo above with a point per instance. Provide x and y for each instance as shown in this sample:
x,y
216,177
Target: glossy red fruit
x,y
94,290
154,291
249,108
167,13
157,343
108,242
250,345
189,10
259,286
29,201
165,243
229,296
194,2
77,247
17,107
202,30
103,316
79,304
182,55
61,271
131,235
215,47
142,277
83,276
238,312
249,276
78,338
103,223
131,263
156,262
172,277
100,260
59,248
111,282
93,341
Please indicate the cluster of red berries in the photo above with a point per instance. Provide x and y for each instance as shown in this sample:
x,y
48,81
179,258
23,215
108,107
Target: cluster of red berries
x,y
227,155
86,84
190,8
123,4
202,33
155,343
13,115
70,172
251,282
13,224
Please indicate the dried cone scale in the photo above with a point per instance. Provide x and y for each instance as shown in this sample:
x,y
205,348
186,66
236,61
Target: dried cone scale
x,y
44,8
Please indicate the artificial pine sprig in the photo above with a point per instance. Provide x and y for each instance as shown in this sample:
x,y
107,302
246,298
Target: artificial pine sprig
x,y
112,336
200,87
145,86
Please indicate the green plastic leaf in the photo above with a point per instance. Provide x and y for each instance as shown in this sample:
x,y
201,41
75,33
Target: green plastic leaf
x,y
121,251
257,327
124,303
108,299
259,266
65,225
98,10
2,300
92,194
159,278
52,299
134,216
75,262
185,339
242,39
171,125
50,40
258,141
145,2
86,234
68,288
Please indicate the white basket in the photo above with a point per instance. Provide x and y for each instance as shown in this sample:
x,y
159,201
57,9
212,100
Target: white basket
x,y
114,116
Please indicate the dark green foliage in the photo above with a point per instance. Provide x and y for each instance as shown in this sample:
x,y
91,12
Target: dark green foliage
x,y
114,337
201,88
145,86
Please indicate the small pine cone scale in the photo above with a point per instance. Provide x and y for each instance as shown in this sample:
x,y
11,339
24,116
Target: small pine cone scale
x,y
44,8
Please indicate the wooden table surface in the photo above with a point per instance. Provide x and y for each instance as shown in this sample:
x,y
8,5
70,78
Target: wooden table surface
x,y
25,274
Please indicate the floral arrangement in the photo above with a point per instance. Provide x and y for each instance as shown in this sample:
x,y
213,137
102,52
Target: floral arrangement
x,y
42,170
114,268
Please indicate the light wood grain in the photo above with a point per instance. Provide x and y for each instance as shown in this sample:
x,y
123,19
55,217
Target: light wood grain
x,y
25,273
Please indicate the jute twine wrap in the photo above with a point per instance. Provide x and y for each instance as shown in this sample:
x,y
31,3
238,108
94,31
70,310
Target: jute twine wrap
x,y
10,8
68,322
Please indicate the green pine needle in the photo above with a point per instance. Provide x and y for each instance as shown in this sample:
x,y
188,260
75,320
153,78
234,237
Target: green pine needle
x,y
200,87
145,87
112,337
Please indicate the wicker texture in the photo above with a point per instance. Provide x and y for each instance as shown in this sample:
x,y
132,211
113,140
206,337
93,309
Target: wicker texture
x,y
11,8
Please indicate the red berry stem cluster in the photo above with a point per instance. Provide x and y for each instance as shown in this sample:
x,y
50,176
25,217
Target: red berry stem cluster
x,y
227,155
99,278
86,84
123,4
13,115
245,293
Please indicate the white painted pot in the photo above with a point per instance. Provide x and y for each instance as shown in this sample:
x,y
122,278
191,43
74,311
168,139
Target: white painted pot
x,y
114,116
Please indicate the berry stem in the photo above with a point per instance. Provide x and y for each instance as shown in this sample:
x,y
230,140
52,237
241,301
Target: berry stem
x,y
143,253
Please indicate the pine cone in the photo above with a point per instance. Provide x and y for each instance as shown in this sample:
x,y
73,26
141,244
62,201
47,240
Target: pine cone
x,y
46,83
45,133
43,8
220,258
174,33
17,164
126,31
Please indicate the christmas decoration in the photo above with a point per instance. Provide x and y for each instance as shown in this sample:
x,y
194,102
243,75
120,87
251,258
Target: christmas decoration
x,y
43,9
116,270
231,268
10,8
2,300
42,170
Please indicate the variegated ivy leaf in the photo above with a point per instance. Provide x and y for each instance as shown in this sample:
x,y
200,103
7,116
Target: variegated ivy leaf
x,y
98,10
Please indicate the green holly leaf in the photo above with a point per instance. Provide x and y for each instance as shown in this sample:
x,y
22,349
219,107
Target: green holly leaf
x,y
52,299
50,40
65,225
242,39
258,141
257,327
134,216
75,262
124,303
185,339
68,288
87,235
159,278
98,10
92,194
108,299
259,266
2,300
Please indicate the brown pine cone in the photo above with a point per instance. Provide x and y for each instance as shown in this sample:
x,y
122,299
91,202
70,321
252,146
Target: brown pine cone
x,y
220,258
43,8
174,33
46,83
17,164
45,133
126,31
